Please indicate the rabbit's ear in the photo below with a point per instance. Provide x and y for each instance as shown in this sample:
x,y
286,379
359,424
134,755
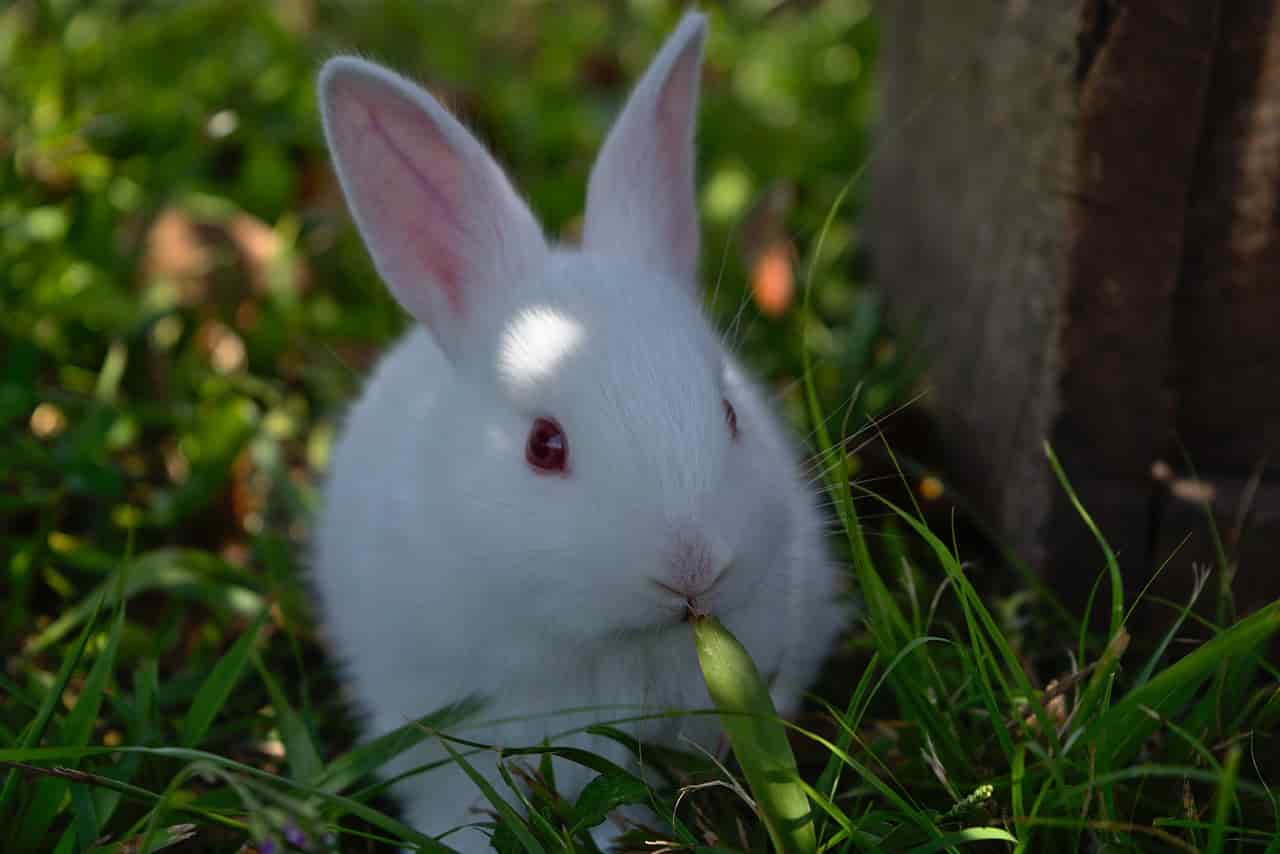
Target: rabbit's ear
x,y
640,199
444,227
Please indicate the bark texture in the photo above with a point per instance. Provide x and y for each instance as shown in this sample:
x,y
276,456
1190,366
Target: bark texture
x,y
1080,202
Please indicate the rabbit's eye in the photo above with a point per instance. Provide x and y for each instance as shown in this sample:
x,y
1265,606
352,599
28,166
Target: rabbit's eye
x,y
547,451
730,418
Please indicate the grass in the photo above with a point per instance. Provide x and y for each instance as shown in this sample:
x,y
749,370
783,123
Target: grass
x,y
184,309
1169,755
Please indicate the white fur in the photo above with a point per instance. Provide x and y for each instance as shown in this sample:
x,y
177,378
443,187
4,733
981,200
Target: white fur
x,y
445,566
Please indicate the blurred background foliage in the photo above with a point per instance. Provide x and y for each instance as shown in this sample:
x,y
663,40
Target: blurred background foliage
x,y
185,307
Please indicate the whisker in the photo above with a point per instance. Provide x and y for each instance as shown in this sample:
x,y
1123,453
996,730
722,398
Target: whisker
x,y
724,260
845,406
861,483
873,423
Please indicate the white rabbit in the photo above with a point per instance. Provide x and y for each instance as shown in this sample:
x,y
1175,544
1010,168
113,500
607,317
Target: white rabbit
x,y
560,461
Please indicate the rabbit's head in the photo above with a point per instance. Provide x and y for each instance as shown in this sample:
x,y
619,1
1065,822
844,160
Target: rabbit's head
x,y
600,460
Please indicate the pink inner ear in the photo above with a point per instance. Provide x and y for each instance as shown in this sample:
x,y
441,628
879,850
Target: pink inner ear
x,y
675,138
431,251
641,195
406,184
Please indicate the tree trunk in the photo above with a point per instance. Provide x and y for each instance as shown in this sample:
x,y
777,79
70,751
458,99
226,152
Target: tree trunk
x,y
1079,201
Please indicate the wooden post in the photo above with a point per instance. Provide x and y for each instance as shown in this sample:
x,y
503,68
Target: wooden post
x,y
1080,201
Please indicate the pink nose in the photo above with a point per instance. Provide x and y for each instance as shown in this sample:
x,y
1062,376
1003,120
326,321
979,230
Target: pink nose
x,y
694,565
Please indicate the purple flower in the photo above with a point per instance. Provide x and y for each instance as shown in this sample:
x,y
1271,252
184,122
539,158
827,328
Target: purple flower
x,y
294,836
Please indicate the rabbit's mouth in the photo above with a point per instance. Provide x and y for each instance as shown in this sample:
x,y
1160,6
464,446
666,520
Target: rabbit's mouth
x,y
693,610
692,604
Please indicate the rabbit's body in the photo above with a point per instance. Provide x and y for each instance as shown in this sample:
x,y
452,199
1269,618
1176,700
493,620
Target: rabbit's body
x,y
542,480
412,657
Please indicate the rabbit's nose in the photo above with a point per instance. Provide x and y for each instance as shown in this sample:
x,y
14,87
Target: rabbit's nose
x,y
695,565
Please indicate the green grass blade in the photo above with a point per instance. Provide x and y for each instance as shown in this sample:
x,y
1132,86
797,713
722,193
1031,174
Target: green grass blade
x,y
965,837
1225,798
1158,654
1204,754
984,634
663,806
347,805
1017,780
833,812
829,779
887,621
299,748
510,817
1113,566
852,719
84,816
15,693
217,687
66,843
174,570
368,757
1252,835
1121,729
873,781
1026,831
48,794
36,729
79,723
536,818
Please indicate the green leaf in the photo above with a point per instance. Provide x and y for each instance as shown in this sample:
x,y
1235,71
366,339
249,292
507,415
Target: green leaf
x,y
758,736
659,802
604,794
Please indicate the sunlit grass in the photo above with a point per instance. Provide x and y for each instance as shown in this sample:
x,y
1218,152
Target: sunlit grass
x,y
1132,755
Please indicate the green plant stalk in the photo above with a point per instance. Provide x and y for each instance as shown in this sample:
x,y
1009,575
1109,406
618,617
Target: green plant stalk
x,y
1226,796
758,737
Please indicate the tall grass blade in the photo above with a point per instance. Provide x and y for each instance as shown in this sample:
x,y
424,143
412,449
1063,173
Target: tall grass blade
x,y
511,819
178,571
76,729
967,836
1225,799
217,686
1120,730
1113,566
299,749
368,757
35,731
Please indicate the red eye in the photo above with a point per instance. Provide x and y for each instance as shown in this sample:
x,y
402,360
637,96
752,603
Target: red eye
x,y
547,451
730,418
